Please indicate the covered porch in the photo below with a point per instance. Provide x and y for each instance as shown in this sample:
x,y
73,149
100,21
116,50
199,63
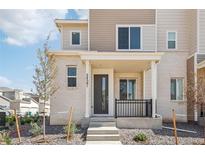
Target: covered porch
x,y
121,84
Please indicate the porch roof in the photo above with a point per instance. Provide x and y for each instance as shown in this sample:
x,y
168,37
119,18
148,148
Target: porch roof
x,y
96,55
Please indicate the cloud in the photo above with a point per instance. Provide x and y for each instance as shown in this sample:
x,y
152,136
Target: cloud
x,y
82,14
25,27
4,81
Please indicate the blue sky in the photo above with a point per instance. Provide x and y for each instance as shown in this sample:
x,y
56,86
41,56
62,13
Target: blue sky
x,y
19,41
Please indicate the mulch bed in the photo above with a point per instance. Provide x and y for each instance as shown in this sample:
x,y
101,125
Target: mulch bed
x,y
54,136
164,136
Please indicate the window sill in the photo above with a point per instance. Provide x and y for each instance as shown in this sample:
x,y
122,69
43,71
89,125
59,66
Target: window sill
x,y
178,101
72,88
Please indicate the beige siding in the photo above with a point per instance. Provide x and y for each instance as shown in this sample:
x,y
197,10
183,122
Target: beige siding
x,y
172,64
148,38
139,83
103,25
193,30
173,20
202,31
66,97
66,37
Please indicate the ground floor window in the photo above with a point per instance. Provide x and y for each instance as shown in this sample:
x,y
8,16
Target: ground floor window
x,y
177,89
127,89
72,76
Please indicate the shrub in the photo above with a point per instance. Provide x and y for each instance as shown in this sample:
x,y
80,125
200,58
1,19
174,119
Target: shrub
x,y
35,129
73,128
4,137
140,137
10,119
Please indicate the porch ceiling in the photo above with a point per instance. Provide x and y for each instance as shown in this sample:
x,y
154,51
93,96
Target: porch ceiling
x,y
122,66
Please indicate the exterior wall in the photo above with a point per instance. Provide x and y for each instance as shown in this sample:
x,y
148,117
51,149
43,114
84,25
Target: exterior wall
x,y
139,83
66,97
66,37
202,31
193,30
103,25
173,20
172,64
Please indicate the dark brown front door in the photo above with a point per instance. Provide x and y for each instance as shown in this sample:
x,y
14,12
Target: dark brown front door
x,y
100,94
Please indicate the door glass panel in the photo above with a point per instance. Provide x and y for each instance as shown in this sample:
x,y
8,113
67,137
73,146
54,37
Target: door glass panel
x,y
123,38
123,89
131,89
134,37
103,80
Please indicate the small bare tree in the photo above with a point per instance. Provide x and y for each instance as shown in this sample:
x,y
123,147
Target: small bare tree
x,y
43,78
196,93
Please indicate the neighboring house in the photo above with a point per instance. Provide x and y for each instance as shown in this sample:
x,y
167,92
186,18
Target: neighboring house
x,y
128,63
4,103
20,101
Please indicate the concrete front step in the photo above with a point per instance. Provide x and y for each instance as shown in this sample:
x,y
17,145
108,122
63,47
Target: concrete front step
x,y
102,130
102,124
102,119
103,137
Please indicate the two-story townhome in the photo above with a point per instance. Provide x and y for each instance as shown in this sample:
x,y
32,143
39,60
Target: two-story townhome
x,y
129,64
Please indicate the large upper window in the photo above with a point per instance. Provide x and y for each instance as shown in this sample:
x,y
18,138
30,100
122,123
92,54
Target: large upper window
x,y
171,40
72,76
127,89
177,89
75,38
129,38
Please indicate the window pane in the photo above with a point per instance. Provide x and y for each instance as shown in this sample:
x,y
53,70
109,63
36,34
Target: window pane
x,y
71,82
131,89
173,89
123,38
171,45
71,71
75,38
180,89
171,36
123,89
135,38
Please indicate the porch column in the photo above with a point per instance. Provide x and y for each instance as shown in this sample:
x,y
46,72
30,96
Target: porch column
x,y
88,88
154,86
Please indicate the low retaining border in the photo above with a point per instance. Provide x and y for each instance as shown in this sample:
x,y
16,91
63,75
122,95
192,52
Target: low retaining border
x,y
137,122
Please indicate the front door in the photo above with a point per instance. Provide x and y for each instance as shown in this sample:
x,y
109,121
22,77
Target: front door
x,y
100,94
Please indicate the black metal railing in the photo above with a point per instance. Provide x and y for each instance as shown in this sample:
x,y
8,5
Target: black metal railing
x,y
133,108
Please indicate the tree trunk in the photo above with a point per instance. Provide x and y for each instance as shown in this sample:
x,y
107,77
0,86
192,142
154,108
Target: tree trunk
x,y
44,121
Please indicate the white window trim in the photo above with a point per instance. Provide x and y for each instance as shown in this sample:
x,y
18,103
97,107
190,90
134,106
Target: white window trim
x,y
67,76
74,31
176,40
128,86
128,26
177,100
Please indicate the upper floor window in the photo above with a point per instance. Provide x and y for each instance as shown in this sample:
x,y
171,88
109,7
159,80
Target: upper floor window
x,y
128,38
72,76
171,40
75,38
177,89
